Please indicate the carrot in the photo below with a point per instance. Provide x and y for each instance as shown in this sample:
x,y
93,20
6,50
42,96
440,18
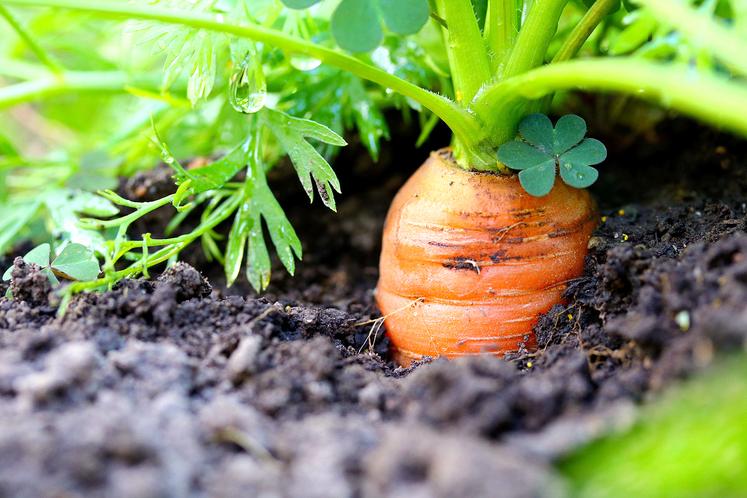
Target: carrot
x,y
470,260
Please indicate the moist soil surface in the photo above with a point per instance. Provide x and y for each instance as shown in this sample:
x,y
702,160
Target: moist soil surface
x,y
178,387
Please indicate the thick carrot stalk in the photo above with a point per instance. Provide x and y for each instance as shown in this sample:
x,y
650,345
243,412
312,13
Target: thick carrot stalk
x,y
477,259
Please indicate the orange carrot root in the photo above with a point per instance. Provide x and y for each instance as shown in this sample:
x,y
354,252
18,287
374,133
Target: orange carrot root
x,y
483,257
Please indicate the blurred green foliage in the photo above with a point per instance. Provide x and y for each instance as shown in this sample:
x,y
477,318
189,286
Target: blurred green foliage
x,y
188,93
690,443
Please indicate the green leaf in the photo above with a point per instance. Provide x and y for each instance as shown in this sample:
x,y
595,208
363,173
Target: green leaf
x,y
237,242
97,170
203,70
642,26
168,157
405,17
589,151
481,11
537,129
569,130
218,173
93,205
259,203
7,148
76,262
257,259
13,219
369,120
564,146
191,53
575,169
356,25
64,207
691,441
51,276
210,177
310,129
283,235
538,181
310,166
39,255
521,155
299,4
578,175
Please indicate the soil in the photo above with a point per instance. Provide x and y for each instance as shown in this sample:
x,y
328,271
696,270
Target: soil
x,y
178,387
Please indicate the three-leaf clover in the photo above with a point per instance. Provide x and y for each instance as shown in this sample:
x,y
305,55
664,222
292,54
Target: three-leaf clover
x,y
75,262
545,149
357,24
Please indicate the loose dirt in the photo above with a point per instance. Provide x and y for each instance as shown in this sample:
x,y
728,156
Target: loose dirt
x,y
177,387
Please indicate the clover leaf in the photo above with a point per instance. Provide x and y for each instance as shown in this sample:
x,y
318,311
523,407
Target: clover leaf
x,y
39,256
75,262
545,148
357,24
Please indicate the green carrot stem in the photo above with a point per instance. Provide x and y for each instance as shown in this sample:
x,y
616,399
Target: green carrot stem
x,y
528,52
535,36
468,57
501,30
583,30
712,99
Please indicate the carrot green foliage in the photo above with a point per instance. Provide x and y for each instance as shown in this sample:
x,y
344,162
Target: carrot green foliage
x,y
229,94
545,149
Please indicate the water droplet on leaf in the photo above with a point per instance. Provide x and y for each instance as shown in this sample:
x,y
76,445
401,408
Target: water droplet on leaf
x,y
247,87
304,63
167,158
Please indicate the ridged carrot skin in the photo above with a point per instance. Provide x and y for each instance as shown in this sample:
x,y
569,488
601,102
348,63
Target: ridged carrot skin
x,y
470,260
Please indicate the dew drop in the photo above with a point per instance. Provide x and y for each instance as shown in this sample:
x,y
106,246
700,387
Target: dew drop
x,y
167,158
247,91
304,63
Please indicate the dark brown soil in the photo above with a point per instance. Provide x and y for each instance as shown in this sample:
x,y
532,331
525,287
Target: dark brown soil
x,y
174,388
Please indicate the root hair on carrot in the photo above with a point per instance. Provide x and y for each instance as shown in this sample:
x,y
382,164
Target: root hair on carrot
x,y
377,323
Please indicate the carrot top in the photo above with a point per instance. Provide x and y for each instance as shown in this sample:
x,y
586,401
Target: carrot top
x,y
247,83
